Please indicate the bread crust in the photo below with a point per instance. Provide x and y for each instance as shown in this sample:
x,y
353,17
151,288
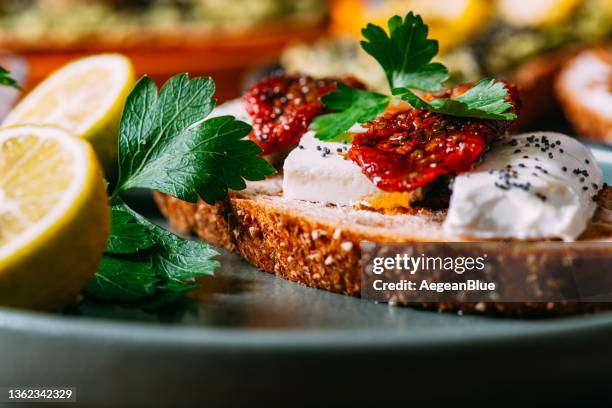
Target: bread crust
x,y
315,251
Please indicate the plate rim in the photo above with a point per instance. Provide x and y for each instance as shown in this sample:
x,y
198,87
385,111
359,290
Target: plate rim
x,y
94,329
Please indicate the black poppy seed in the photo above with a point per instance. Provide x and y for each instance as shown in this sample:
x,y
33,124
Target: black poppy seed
x,y
558,143
585,188
319,148
587,161
544,171
502,186
522,165
300,146
595,186
517,151
537,145
550,155
326,150
323,154
534,174
594,198
513,142
521,186
582,179
564,168
525,157
541,196
339,150
561,151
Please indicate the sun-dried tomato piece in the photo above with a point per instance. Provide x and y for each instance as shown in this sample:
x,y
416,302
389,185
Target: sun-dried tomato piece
x,y
406,150
282,108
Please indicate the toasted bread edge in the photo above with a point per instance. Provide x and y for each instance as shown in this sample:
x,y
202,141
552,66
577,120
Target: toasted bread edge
x,y
314,254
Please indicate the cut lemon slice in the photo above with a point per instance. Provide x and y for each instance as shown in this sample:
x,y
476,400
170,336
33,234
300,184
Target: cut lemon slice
x,y
54,216
85,97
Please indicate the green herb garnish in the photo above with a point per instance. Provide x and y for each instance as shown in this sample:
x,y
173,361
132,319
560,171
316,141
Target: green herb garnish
x,y
6,80
165,144
485,100
147,266
354,106
406,55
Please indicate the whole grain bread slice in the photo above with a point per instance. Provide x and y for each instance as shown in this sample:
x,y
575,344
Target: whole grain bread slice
x,y
319,246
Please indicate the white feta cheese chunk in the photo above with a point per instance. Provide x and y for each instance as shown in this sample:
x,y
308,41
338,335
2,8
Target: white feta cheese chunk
x,y
531,186
319,172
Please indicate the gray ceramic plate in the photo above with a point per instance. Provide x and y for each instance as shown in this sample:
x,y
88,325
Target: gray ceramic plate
x,y
252,338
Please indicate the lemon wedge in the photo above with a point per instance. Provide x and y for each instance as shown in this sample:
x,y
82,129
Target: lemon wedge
x,y
536,13
54,216
86,98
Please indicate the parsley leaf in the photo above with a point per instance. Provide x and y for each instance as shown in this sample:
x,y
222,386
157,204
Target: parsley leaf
x,y
354,106
6,80
408,96
485,100
406,54
181,261
153,274
127,236
123,279
165,144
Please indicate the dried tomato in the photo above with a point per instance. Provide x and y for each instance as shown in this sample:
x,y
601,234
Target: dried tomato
x,y
282,108
406,150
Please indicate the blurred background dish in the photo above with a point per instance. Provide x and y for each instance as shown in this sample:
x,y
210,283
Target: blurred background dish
x,y
584,88
222,39
90,24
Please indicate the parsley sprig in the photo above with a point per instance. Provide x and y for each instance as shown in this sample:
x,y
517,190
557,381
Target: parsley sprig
x,y
352,106
7,80
406,55
166,144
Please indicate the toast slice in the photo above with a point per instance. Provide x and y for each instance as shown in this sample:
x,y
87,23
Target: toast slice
x,y
319,246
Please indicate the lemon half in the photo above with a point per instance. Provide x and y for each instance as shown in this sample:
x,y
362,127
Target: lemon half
x,y
86,98
54,216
